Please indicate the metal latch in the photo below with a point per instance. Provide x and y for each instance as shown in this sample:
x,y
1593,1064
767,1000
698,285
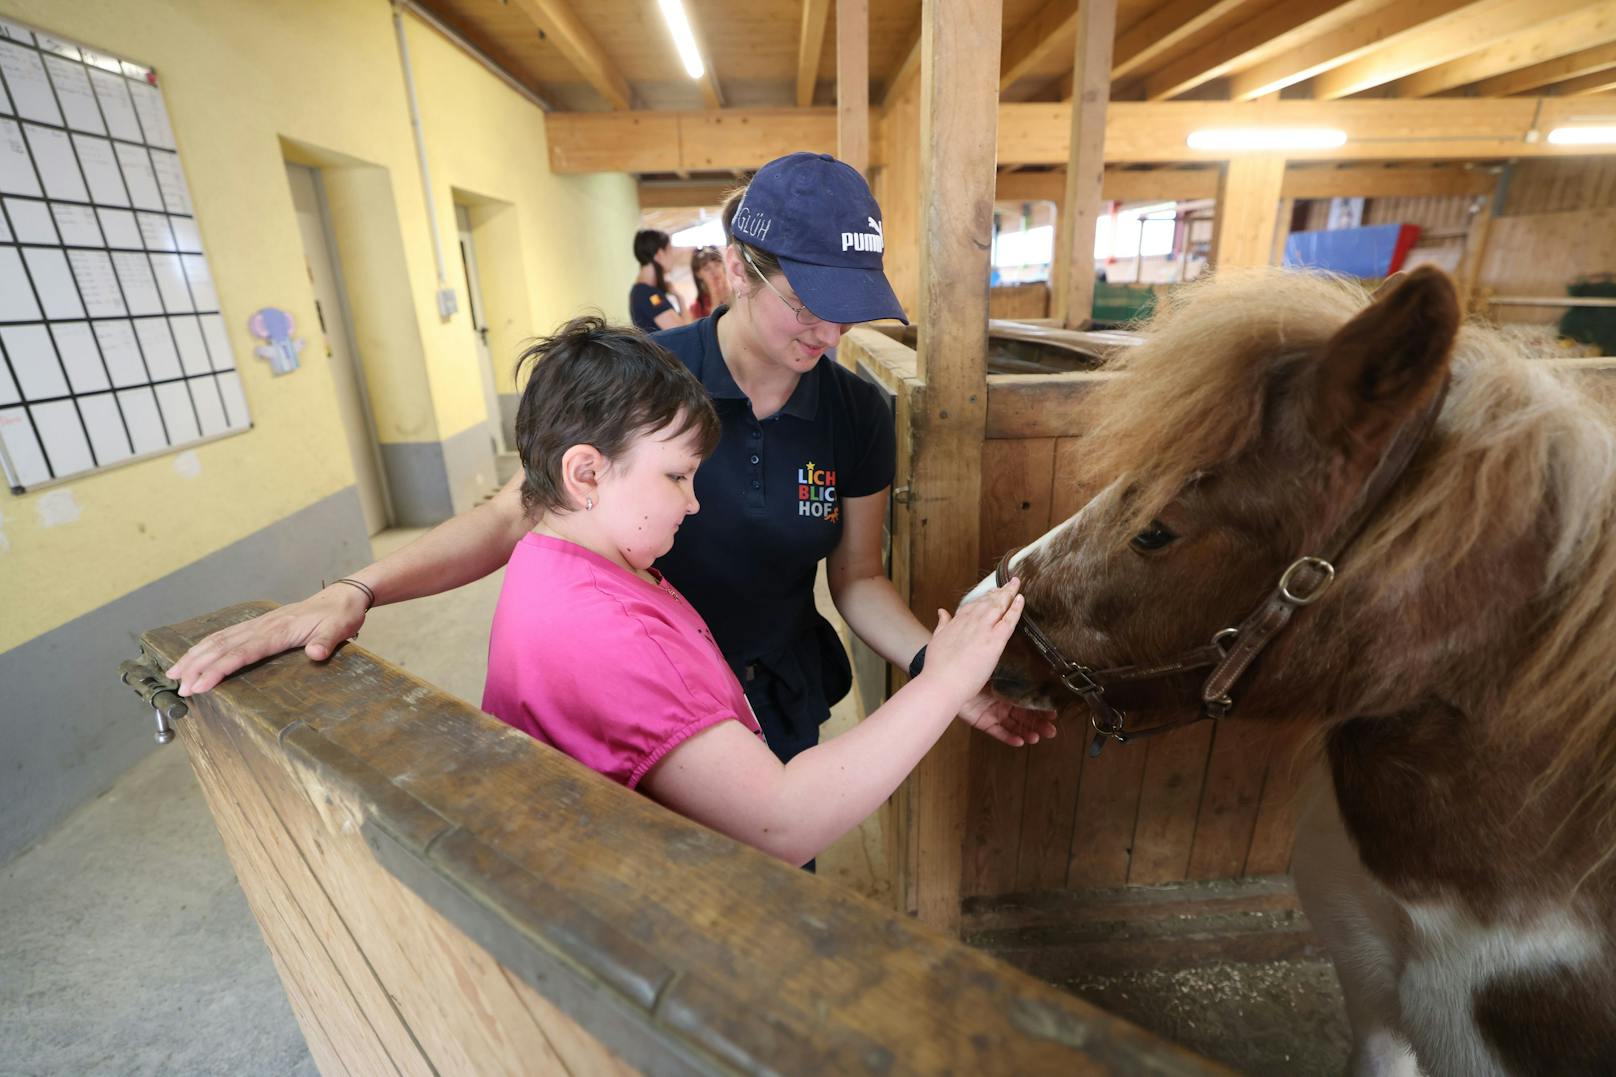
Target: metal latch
x,y
157,691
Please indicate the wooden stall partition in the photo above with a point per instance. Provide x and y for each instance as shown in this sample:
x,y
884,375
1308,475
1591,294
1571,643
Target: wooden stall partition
x,y
1018,302
443,894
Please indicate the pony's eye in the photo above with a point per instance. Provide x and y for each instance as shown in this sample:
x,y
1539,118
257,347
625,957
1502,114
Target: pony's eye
x,y
1154,537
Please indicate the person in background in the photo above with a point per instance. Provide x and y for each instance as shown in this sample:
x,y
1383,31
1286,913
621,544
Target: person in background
x,y
596,653
712,285
651,306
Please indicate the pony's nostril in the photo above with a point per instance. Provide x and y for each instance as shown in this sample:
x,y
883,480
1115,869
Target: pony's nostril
x,y
1007,682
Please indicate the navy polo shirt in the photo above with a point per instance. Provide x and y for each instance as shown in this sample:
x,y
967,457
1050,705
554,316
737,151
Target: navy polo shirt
x,y
771,496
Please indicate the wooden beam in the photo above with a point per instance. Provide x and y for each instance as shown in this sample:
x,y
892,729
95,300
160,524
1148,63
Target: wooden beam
x,y
684,141
853,83
959,79
1598,82
1375,28
1164,29
1476,235
1440,128
580,48
810,42
1592,25
1576,65
1184,184
698,194
907,72
1036,39
1475,27
1072,282
1428,129
1248,212
1386,182
1244,44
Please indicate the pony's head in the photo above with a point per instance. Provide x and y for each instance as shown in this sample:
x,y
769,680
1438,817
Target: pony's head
x,y
1242,435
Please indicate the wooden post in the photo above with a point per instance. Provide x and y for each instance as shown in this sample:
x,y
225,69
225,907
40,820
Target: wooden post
x,y
853,83
1475,244
1248,209
1282,231
1072,291
959,75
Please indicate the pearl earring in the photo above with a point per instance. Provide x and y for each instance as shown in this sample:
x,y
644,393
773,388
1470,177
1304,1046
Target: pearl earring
x,y
589,504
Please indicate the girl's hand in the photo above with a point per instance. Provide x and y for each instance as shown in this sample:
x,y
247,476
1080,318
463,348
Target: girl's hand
x,y
317,624
966,647
1005,721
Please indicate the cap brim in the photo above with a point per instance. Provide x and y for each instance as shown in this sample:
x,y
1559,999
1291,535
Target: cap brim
x,y
842,294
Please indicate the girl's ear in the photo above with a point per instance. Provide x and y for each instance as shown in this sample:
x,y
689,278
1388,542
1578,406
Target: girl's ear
x,y
736,269
581,469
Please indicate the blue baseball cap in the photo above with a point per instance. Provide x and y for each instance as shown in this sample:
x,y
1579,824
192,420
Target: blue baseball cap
x,y
817,216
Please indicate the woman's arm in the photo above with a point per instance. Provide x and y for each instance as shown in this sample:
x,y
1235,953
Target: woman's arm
x,y
872,608
456,552
725,778
670,319
859,586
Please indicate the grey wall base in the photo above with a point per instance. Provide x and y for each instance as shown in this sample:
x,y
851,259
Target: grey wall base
x,y
70,728
508,403
430,481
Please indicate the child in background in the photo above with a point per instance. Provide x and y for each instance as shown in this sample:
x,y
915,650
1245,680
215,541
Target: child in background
x,y
593,652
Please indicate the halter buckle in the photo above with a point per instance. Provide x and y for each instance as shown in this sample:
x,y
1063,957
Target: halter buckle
x,y
1079,680
1287,591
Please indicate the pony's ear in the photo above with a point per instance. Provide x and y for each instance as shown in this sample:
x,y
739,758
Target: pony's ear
x,y
1383,366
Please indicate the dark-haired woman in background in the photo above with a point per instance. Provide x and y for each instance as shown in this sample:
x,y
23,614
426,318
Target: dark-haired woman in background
x,y
650,305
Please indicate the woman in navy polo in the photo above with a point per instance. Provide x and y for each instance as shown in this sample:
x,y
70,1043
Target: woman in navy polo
x,y
802,474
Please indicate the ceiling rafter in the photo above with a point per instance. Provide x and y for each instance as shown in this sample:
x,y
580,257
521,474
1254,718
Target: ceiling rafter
x,y
1165,29
1476,27
1550,40
810,43
1340,45
1051,27
578,45
1576,65
1598,82
906,73
1251,41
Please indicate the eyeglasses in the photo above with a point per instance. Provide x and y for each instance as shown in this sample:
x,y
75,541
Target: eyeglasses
x,y
804,315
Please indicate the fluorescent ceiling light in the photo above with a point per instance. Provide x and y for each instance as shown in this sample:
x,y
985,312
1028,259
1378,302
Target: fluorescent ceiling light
x,y
1582,136
1267,138
673,11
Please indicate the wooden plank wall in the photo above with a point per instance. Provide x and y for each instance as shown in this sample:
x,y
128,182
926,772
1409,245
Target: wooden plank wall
x,y
1204,803
443,894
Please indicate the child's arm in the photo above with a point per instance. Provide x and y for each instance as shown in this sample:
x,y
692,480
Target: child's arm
x,y
727,779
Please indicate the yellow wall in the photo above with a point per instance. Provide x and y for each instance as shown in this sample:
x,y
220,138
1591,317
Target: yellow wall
x,y
238,76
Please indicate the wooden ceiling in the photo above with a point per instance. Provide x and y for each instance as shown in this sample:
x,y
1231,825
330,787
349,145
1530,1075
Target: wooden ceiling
x,y
593,55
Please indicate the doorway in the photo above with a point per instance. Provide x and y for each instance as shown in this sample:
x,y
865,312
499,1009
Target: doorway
x,y
479,326
330,304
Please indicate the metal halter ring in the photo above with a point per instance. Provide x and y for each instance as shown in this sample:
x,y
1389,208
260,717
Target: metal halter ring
x,y
1225,639
1318,564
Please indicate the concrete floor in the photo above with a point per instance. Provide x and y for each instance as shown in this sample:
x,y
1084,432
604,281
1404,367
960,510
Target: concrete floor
x,y
127,945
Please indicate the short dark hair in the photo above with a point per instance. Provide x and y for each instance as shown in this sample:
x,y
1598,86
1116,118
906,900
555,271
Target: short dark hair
x,y
647,241
601,385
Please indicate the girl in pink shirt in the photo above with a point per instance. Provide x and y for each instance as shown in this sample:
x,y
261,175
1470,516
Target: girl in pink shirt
x,y
592,651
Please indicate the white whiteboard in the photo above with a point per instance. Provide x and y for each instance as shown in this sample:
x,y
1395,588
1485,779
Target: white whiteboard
x,y
112,346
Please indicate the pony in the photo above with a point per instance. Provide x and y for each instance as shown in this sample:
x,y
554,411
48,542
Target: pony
x,y
1359,510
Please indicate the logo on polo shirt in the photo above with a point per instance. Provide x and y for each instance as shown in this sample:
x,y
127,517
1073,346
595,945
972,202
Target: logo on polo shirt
x,y
816,493
873,241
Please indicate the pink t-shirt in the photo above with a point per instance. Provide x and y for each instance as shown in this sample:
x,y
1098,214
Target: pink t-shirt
x,y
613,670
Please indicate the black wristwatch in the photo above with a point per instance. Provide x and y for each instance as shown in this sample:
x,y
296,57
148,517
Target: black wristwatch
x,y
917,663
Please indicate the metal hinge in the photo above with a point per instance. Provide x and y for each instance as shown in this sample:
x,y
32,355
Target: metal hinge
x,y
156,691
903,495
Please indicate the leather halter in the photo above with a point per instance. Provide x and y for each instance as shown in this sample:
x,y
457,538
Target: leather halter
x,y
1232,651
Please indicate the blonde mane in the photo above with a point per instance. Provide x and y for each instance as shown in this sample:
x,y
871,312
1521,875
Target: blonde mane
x,y
1525,450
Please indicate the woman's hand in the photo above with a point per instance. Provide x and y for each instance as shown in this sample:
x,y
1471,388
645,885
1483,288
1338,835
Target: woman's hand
x,y
317,624
966,646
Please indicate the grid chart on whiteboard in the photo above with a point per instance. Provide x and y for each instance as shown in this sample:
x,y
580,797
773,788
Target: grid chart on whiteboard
x,y
111,342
